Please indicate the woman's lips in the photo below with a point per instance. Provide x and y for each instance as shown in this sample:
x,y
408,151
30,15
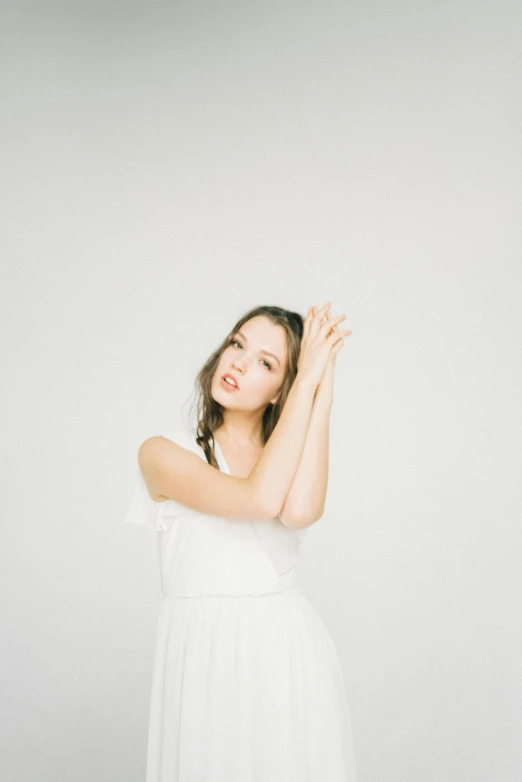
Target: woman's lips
x,y
227,386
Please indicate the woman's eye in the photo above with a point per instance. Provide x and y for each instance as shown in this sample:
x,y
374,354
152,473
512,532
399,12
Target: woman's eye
x,y
236,342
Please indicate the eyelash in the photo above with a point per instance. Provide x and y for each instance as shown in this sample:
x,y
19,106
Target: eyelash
x,y
236,342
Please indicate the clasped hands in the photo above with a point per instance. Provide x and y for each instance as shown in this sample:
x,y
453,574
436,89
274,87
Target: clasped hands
x,y
324,390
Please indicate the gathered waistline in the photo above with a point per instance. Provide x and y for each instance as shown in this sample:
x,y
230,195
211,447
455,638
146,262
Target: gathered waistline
x,y
230,597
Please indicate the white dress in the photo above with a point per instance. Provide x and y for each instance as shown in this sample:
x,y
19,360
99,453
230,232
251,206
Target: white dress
x,y
247,685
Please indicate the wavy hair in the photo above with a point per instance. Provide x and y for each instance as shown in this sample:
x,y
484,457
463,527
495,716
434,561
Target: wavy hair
x,y
210,413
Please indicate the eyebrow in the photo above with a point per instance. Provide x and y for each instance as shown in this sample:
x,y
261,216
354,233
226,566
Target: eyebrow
x,y
263,351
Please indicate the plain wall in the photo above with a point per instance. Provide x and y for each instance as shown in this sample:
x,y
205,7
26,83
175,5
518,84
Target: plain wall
x,y
167,166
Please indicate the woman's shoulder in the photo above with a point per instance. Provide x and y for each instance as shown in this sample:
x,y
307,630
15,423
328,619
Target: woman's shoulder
x,y
184,436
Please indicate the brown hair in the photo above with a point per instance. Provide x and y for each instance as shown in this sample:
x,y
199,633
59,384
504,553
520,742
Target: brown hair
x,y
210,412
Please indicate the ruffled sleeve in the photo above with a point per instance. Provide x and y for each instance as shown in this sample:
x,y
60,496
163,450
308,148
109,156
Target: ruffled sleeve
x,y
143,510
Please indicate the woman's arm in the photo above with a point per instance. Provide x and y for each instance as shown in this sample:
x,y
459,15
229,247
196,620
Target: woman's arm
x,y
280,460
304,503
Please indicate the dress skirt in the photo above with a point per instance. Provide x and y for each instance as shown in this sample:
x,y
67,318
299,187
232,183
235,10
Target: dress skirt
x,y
247,689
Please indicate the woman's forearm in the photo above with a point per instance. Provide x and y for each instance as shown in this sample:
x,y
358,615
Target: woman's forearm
x,y
274,471
304,503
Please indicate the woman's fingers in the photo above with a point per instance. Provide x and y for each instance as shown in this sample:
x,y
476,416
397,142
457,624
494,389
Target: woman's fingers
x,y
328,325
322,320
333,338
318,316
313,320
329,318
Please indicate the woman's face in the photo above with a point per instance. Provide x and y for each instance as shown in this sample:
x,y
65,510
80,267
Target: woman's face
x,y
256,359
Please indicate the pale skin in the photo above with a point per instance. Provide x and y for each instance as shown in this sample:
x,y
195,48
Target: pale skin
x,y
305,500
304,504
286,478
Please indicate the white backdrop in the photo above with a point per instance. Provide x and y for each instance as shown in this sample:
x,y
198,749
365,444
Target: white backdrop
x,y
167,166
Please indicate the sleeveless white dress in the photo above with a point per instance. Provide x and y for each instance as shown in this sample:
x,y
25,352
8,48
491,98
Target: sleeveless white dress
x,y
247,685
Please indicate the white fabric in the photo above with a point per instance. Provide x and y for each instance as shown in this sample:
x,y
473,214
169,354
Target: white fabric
x,y
247,685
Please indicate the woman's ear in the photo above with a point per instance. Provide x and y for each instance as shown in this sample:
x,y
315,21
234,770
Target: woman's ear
x,y
275,400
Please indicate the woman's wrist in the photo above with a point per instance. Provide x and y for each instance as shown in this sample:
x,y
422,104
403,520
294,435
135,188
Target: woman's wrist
x,y
305,382
323,398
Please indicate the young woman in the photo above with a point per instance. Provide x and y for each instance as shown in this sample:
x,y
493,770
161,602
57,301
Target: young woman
x,y
247,684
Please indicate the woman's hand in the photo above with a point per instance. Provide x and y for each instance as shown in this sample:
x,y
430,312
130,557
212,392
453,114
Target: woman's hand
x,y
319,341
324,390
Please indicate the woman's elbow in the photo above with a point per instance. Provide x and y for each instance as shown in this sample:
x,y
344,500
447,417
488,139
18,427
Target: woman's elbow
x,y
299,520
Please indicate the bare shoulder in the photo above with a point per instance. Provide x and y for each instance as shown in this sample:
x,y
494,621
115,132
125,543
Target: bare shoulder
x,y
156,454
